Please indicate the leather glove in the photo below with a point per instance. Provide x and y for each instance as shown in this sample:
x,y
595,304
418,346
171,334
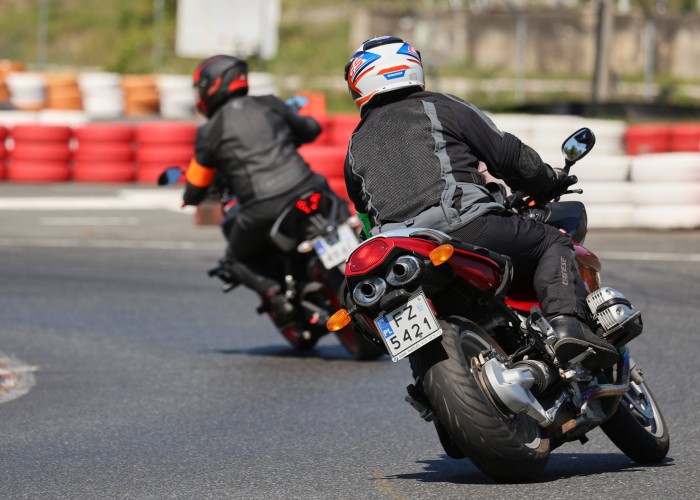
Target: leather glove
x,y
561,184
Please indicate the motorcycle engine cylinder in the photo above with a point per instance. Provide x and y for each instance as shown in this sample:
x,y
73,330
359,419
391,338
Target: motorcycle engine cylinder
x,y
617,317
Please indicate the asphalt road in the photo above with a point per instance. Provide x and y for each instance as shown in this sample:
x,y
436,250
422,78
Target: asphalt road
x,y
137,378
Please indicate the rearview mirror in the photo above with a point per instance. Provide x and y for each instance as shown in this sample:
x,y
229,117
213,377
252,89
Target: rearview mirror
x,y
578,145
170,175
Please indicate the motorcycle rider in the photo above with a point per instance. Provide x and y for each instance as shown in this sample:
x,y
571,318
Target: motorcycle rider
x,y
250,144
413,161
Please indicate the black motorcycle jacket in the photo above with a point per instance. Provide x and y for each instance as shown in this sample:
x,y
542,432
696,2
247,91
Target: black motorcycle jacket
x,y
413,161
252,141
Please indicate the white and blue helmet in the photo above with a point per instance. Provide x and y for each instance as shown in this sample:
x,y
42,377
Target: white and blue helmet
x,y
383,64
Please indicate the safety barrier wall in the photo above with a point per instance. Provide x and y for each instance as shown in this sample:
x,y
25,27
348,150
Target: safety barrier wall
x,y
643,176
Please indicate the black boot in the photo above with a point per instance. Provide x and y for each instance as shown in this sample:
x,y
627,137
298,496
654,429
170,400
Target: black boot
x,y
575,337
281,310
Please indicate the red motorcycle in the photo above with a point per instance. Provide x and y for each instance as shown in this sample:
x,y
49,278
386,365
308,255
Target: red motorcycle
x,y
482,352
312,238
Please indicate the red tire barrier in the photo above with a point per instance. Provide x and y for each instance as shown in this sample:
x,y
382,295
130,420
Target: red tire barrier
x,y
37,171
165,154
338,186
105,132
40,151
3,151
341,127
325,160
165,132
685,137
648,138
104,171
104,152
148,173
41,133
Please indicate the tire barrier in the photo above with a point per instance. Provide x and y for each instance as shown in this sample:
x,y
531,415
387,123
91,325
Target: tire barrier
x,y
104,153
340,128
662,138
26,90
39,153
140,95
3,151
162,144
103,97
646,190
328,161
177,97
62,92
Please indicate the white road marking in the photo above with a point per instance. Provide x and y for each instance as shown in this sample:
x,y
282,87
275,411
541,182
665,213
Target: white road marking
x,y
125,199
122,244
89,221
650,256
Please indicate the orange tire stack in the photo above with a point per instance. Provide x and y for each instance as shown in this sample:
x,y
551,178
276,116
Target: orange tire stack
x,y
140,95
104,153
160,145
62,92
39,153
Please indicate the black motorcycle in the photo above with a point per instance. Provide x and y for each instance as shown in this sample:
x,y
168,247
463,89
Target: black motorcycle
x,y
481,350
312,238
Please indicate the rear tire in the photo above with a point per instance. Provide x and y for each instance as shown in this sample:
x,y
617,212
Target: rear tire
x,y
638,428
508,451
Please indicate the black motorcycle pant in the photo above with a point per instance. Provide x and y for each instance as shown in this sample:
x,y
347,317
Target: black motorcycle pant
x,y
541,255
248,234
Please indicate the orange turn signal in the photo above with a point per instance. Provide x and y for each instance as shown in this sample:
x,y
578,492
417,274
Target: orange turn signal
x,y
441,254
338,321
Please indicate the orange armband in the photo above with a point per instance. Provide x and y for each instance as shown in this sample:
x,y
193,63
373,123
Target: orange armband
x,y
199,175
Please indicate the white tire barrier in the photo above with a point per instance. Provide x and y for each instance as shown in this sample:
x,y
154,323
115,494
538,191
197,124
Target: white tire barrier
x,y
666,167
103,96
27,90
610,216
595,167
177,97
603,193
666,217
666,193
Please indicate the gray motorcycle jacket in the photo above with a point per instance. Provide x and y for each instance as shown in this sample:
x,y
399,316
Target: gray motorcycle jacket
x,y
252,141
413,161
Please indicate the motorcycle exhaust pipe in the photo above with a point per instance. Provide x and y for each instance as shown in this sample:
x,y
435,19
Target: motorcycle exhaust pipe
x,y
511,387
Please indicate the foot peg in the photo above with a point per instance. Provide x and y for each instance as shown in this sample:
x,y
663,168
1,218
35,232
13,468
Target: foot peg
x,y
420,403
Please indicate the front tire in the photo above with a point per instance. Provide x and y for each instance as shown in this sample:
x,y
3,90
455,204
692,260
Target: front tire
x,y
638,428
508,451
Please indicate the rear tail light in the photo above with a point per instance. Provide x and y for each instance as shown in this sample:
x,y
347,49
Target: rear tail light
x,y
309,204
369,255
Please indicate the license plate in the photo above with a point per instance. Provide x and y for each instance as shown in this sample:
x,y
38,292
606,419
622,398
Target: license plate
x,y
335,250
408,327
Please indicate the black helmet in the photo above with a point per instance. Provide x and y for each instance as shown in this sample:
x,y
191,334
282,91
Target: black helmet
x,y
217,79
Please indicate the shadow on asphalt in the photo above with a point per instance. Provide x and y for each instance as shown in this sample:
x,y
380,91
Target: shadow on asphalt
x,y
560,466
328,353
